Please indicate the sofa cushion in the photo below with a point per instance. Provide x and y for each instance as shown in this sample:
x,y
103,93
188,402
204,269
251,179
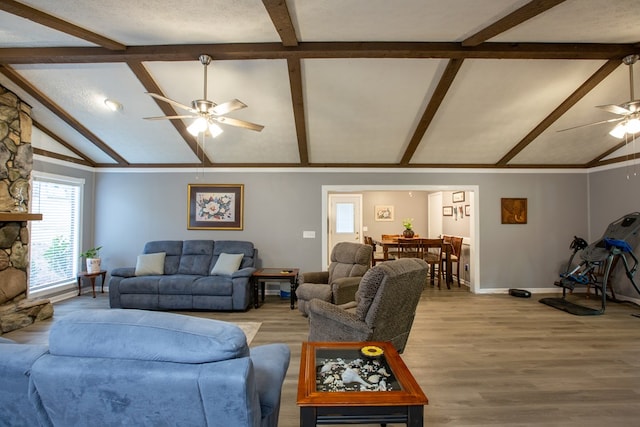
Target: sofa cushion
x,y
196,257
150,264
176,284
227,264
234,247
213,285
146,335
173,249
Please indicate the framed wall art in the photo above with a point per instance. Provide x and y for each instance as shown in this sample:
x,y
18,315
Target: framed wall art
x,y
457,197
447,211
383,212
467,210
215,206
513,211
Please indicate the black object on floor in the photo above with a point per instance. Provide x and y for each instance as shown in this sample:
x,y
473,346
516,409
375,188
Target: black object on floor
x,y
569,307
521,293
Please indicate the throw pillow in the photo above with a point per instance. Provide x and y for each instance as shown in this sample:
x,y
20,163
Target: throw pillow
x,y
227,264
150,264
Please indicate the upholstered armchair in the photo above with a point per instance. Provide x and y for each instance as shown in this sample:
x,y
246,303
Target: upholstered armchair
x,y
384,309
338,285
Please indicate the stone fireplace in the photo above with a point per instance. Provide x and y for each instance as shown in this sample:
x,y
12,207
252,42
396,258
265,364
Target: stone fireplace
x,y
16,164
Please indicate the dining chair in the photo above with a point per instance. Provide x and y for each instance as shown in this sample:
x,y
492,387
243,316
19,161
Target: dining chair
x,y
432,254
456,251
393,252
376,257
410,248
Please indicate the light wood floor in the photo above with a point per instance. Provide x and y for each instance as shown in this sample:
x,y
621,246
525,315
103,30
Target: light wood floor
x,y
484,360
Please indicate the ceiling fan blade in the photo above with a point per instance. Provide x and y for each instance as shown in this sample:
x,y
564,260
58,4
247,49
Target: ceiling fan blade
x,y
238,123
171,101
227,107
615,109
593,124
170,117
632,106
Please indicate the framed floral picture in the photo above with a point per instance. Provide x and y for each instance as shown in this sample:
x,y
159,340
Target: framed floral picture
x,y
215,206
383,213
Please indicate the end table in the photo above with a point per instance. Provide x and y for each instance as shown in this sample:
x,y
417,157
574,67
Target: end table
x,y
92,279
276,274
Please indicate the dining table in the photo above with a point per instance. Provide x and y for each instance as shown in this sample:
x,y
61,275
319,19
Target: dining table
x,y
447,249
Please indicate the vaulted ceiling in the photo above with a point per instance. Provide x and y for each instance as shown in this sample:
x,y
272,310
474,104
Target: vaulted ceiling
x,y
336,83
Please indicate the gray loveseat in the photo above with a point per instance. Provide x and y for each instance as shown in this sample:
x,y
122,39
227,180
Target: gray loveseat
x,y
186,282
141,368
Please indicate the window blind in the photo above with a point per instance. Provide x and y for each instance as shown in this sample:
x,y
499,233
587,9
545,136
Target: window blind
x,y
55,239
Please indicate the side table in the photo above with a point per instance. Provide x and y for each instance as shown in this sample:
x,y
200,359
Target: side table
x,y
92,279
276,274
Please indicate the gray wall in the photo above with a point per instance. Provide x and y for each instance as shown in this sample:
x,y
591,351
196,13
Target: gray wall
x,y
134,207
613,194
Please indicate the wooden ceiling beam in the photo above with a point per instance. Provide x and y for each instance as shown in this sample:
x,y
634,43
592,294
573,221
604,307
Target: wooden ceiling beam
x,y
576,96
439,94
281,18
297,101
60,112
83,158
151,86
526,12
50,21
315,50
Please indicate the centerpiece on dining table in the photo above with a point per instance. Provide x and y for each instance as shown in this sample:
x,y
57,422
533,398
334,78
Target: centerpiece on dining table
x,y
408,228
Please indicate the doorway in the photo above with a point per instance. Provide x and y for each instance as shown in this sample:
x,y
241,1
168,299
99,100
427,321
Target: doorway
x,y
474,270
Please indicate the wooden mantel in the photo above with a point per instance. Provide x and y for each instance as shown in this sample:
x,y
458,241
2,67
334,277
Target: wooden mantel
x,y
19,216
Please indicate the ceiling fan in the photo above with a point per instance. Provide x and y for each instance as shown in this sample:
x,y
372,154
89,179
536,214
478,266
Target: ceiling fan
x,y
629,123
207,114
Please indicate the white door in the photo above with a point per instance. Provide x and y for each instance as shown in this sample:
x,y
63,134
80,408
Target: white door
x,y
435,215
345,219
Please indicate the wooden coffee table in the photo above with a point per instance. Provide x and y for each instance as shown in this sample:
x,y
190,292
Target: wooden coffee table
x,y
322,402
276,274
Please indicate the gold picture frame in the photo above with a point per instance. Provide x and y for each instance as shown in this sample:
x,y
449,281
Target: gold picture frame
x,y
215,206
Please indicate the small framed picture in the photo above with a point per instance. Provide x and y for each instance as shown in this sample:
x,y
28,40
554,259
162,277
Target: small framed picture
x,y
457,197
447,211
513,211
467,210
383,213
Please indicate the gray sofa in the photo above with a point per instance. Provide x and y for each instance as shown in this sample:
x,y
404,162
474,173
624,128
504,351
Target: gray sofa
x,y
141,368
186,282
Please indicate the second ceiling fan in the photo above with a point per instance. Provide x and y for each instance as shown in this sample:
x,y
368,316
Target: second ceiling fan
x,y
207,114
629,122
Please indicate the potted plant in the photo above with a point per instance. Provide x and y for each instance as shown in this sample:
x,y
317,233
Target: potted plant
x,y
408,228
92,257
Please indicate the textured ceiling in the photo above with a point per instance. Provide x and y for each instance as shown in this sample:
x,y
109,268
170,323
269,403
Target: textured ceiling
x,y
359,83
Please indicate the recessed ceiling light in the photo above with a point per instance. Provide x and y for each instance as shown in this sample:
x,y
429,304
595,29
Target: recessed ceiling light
x,y
112,104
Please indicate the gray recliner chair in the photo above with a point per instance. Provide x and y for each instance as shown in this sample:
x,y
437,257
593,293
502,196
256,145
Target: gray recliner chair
x,y
384,309
349,262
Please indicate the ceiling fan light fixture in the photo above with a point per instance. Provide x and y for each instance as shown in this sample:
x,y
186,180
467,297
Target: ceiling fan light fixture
x,y
198,125
618,131
633,126
214,129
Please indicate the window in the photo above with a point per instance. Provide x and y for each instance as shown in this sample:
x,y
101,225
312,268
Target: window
x,y
345,218
54,240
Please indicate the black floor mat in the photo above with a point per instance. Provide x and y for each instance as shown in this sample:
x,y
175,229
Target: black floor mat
x,y
569,307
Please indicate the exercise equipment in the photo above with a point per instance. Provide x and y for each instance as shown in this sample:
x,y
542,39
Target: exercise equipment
x,y
597,261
